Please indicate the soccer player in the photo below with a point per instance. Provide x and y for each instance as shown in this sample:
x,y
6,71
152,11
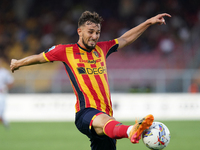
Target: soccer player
x,y
85,64
6,82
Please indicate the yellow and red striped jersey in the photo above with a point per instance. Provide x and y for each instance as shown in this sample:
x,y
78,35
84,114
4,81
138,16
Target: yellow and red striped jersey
x,y
87,72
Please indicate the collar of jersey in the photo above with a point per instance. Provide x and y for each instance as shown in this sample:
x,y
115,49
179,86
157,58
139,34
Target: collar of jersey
x,y
84,48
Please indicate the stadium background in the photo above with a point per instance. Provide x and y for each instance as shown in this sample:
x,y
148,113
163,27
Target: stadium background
x,y
161,69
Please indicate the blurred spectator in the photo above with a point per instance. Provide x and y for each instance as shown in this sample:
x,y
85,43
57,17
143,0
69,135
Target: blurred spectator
x,y
167,46
21,7
193,88
126,8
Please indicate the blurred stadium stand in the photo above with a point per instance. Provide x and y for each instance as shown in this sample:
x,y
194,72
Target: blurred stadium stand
x,y
164,59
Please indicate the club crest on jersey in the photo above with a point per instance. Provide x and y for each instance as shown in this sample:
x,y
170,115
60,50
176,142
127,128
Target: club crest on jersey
x,y
96,54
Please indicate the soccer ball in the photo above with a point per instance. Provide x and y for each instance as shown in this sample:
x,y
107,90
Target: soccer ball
x,y
157,136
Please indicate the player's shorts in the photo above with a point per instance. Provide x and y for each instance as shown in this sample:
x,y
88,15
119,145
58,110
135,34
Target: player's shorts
x,y
83,122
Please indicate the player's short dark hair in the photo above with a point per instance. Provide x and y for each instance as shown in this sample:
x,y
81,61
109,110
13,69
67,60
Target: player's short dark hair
x,y
91,17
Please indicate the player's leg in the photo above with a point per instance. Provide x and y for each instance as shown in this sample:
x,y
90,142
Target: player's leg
x,y
96,125
1,120
2,109
2,106
102,142
104,124
139,127
84,120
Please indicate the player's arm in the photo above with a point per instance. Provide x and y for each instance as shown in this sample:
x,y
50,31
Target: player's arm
x,y
131,35
27,61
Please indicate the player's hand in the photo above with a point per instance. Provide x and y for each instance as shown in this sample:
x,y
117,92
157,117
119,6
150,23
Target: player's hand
x,y
159,19
13,65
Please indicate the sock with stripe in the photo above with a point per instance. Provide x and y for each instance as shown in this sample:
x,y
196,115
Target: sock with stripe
x,y
116,130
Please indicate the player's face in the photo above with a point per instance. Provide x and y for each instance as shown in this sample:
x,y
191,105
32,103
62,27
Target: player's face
x,y
90,34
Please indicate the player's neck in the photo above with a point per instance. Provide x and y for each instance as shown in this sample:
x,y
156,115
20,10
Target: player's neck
x,y
81,44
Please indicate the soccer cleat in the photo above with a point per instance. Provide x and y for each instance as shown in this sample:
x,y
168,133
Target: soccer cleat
x,y
139,127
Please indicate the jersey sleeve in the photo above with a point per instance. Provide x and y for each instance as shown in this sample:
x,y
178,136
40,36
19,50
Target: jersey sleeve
x,y
55,53
109,47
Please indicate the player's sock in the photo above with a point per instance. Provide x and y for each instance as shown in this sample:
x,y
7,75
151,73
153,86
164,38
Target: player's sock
x,y
115,129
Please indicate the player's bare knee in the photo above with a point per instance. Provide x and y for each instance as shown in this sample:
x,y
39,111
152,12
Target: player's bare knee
x,y
99,122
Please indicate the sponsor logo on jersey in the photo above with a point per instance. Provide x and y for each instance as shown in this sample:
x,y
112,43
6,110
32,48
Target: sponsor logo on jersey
x,y
91,71
79,53
90,61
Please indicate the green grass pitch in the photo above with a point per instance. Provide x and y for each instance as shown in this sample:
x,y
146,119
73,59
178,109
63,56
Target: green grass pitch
x,y
64,136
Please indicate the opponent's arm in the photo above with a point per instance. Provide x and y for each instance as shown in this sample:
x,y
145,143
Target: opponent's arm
x,y
131,35
27,61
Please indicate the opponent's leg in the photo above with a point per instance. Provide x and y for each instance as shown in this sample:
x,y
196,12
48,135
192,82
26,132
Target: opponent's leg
x,y
2,110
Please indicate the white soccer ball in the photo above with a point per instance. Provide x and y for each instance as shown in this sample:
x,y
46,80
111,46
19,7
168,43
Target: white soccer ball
x,y
157,136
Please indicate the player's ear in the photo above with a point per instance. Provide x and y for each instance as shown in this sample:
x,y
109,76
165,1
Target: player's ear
x,y
79,30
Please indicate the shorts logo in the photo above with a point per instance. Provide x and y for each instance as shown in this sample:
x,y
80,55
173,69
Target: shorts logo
x,y
91,71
